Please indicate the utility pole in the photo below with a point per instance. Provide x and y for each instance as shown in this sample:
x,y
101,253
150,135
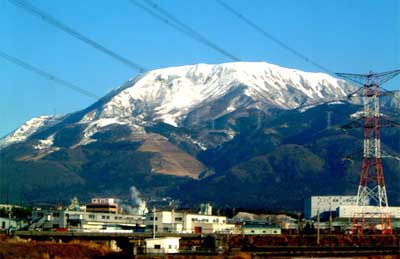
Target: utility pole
x,y
318,221
154,222
298,223
173,221
371,188
330,216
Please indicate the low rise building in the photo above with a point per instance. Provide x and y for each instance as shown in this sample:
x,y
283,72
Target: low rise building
x,y
104,205
84,221
186,222
12,223
259,228
100,215
162,245
281,220
325,204
370,211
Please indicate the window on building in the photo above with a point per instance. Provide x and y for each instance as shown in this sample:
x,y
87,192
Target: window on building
x,y
157,246
103,217
170,246
91,216
178,219
264,231
108,217
56,225
56,214
252,231
3,225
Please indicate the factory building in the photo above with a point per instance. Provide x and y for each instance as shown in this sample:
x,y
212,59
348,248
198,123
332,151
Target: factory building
x,y
104,205
185,222
370,211
162,245
100,215
7,224
326,204
85,221
259,228
9,221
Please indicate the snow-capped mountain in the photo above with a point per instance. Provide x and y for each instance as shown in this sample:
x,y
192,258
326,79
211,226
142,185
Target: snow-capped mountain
x,y
198,92
170,94
189,132
26,130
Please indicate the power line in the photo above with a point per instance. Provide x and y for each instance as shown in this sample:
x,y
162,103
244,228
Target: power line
x,y
58,24
376,78
171,20
191,32
47,75
271,37
157,16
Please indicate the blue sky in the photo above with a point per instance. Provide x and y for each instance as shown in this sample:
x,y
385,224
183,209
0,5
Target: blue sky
x,y
343,35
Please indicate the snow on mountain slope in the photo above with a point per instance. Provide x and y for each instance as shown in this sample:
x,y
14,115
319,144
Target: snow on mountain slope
x,y
25,131
94,127
171,93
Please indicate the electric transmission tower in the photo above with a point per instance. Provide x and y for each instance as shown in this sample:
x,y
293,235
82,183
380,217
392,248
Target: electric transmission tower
x,y
372,206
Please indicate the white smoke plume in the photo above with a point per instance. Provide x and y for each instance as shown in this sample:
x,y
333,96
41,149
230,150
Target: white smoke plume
x,y
138,205
135,196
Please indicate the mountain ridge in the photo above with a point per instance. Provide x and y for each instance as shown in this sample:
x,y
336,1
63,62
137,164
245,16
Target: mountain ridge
x,y
171,94
233,134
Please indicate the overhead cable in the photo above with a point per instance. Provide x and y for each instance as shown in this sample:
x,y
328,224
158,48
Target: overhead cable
x,y
65,28
271,37
163,15
47,75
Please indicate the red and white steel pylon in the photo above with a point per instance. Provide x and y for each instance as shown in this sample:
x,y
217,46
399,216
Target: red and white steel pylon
x,y
371,188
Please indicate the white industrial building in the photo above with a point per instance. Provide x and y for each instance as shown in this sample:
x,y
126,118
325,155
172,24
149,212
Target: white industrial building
x,y
162,245
100,215
11,223
370,211
260,228
321,204
84,221
185,222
